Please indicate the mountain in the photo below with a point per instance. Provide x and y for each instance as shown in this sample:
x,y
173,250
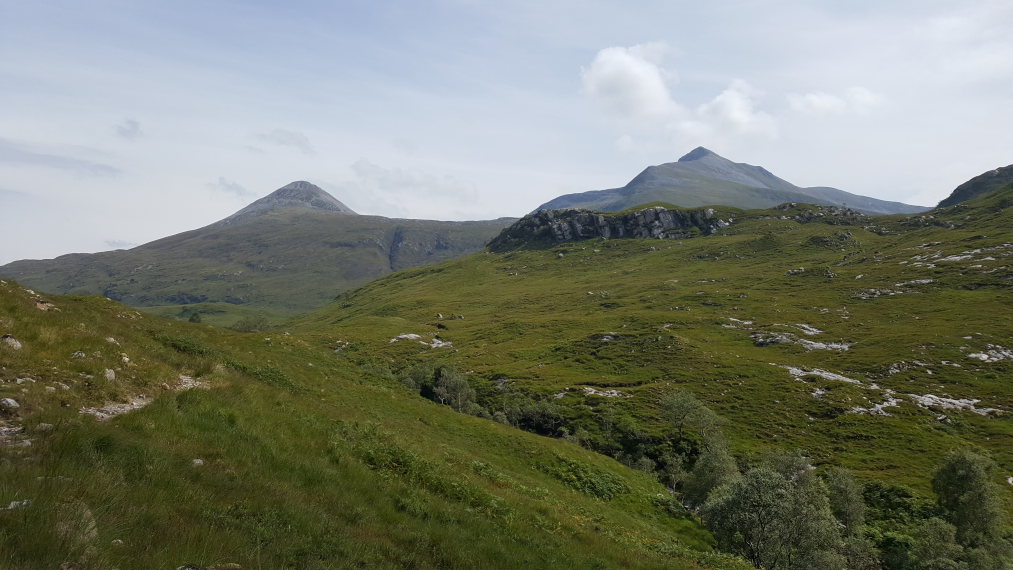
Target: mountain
x,y
288,252
980,185
297,195
702,178
795,375
871,344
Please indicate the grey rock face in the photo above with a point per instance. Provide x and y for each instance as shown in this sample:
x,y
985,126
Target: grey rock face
x,y
553,226
299,195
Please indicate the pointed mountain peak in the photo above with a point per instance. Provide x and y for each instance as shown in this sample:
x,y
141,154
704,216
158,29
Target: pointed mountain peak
x,y
697,154
296,195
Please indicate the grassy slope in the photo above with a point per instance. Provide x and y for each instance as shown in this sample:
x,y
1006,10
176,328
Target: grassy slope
x,y
540,318
308,462
278,265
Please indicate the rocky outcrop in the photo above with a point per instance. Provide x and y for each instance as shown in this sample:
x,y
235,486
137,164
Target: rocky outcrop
x,y
547,227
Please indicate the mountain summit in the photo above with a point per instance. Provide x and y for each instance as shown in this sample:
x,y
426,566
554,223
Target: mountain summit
x,y
299,195
704,178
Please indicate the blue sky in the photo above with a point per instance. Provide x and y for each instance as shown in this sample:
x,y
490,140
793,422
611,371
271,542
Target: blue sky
x,y
122,122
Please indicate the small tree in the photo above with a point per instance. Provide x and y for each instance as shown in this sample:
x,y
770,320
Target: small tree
x,y
935,547
969,498
846,500
682,410
453,389
714,467
776,523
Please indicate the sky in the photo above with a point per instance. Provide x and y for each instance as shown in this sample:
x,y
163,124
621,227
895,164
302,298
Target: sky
x,y
125,121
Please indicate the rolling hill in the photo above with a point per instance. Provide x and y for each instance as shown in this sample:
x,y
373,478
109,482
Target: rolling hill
x,y
288,252
702,178
528,406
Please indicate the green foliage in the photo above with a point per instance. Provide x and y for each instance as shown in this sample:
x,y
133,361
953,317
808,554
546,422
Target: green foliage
x,y
713,468
935,547
776,522
250,324
969,498
846,501
586,478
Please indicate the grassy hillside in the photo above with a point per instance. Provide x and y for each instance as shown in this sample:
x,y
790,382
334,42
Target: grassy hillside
x,y
877,344
278,264
137,442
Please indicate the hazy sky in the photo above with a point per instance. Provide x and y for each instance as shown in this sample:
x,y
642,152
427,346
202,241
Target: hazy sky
x,y
122,122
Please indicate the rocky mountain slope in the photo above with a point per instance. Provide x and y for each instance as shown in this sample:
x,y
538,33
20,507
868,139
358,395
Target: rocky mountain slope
x,y
288,252
702,178
980,185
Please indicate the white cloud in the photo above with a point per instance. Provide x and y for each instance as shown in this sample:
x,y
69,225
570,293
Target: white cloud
x,y
405,192
284,137
129,129
120,244
225,185
734,112
16,153
857,100
630,83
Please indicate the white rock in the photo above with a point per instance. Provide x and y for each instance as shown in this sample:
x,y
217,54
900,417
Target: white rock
x,y
197,462
110,374
10,342
9,404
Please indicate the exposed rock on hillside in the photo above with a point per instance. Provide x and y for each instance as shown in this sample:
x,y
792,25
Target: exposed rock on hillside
x,y
547,227
299,194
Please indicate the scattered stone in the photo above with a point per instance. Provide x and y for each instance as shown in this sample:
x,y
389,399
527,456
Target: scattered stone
x,y
914,282
110,374
78,354
799,373
993,353
197,462
933,401
19,504
10,342
9,404
112,340
44,305
437,343
879,409
605,393
768,339
44,427
50,388
406,336
110,411
116,542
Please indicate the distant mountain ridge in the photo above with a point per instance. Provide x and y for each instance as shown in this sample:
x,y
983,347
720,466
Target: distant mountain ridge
x,y
703,178
287,252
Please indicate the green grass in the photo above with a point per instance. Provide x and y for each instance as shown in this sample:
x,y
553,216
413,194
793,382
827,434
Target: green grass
x,y
643,315
275,266
306,461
